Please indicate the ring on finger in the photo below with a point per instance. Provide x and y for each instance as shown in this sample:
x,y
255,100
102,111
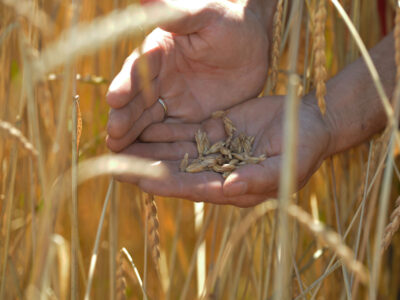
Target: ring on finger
x,y
162,102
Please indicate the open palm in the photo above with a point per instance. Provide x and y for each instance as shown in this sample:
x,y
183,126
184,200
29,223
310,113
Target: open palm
x,y
211,60
249,184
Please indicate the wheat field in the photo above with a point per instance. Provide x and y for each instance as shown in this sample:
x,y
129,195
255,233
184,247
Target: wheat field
x,y
68,230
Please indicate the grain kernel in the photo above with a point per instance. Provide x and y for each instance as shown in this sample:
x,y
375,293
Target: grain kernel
x,y
215,148
196,167
184,162
218,114
228,167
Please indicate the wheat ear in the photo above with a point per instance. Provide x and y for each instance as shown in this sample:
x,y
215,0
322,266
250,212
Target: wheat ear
x,y
319,53
120,279
79,121
17,134
276,42
392,227
397,42
153,234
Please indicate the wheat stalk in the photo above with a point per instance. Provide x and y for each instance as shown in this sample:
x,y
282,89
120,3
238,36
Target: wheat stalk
x,y
16,134
120,165
95,251
330,239
276,42
320,58
288,168
366,174
74,199
394,224
84,39
153,234
392,227
36,16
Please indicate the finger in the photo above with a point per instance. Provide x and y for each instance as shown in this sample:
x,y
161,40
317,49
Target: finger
x,y
152,115
169,132
173,132
261,179
196,15
162,151
131,79
122,119
204,187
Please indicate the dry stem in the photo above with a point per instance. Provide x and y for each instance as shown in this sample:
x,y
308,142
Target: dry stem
x,y
13,132
330,239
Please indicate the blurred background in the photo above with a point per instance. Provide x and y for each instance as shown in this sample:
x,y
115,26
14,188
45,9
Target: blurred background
x,y
37,212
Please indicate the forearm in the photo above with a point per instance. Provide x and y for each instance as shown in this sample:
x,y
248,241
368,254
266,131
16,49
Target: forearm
x,y
354,109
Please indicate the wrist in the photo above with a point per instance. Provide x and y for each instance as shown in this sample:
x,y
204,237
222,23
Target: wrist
x,y
327,122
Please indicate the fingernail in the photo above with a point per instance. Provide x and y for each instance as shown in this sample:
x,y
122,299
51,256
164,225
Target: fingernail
x,y
236,189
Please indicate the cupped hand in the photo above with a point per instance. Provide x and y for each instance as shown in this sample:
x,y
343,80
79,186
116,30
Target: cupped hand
x,y
212,59
248,184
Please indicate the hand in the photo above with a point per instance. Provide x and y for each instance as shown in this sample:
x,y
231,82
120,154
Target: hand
x,y
212,59
249,184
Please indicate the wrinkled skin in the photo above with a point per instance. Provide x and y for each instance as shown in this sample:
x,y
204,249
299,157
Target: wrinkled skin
x,y
249,184
212,60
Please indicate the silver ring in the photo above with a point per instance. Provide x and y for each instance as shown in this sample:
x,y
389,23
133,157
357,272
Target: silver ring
x,y
163,105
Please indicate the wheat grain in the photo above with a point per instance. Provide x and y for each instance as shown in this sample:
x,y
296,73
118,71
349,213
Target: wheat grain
x,y
255,160
199,144
276,42
319,52
228,167
21,139
392,227
215,148
229,128
153,234
184,162
218,114
209,160
196,167
206,143
223,156
225,151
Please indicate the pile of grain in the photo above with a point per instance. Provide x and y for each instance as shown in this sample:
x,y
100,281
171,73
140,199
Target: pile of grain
x,y
223,156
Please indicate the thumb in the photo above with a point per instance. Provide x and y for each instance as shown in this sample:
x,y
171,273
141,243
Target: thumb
x,y
256,179
196,15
